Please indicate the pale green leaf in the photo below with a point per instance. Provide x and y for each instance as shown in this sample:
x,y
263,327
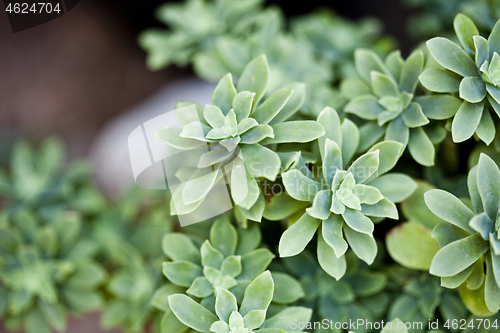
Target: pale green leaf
x,y
466,121
472,89
466,30
327,259
224,94
451,56
258,294
449,208
191,313
261,161
363,245
411,245
225,303
440,80
271,106
255,77
458,255
298,235
296,132
421,147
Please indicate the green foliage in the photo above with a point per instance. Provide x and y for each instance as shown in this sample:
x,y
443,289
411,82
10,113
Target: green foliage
x,y
470,70
230,260
469,239
358,295
420,298
48,270
386,97
343,199
272,139
37,180
194,26
237,128
129,236
247,318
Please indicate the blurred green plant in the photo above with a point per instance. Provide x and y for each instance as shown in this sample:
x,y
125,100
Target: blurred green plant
x,y
47,271
37,180
129,236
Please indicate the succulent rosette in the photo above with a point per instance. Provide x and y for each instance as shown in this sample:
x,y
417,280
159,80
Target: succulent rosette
x,y
469,257
386,96
235,129
473,71
344,199
230,259
228,317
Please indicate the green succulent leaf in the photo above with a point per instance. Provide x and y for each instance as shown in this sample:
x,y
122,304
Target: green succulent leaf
x,y
224,94
451,56
191,313
272,106
295,131
258,294
449,208
333,265
440,80
255,78
458,255
488,184
466,30
411,245
296,237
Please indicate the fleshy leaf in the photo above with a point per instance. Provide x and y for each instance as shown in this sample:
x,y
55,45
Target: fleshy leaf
x,y
298,235
224,94
466,121
258,294
458,255
327,259
191,313
451,56
255,78
449,208
440,80
488,183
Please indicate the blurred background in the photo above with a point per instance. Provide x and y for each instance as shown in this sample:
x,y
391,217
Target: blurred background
x,y
72,75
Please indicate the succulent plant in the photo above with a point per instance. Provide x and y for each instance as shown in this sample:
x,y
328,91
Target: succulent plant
x,y
358,295
485,12
470,240
229,260
248,318
334,38
237,128
37,180
386,97
194,26
470,70
343,200
47,271
420,299
129,236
